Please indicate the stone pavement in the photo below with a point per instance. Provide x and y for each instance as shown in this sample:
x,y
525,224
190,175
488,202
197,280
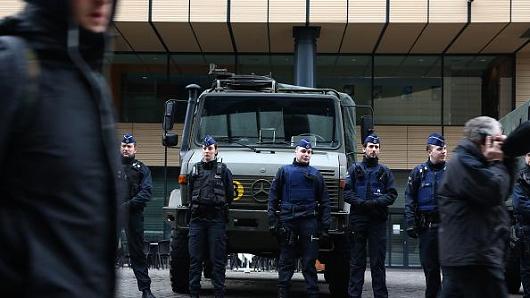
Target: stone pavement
x,y
401,283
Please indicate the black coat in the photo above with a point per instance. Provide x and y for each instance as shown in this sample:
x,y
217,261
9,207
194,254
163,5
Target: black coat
x,y
58,178
475,225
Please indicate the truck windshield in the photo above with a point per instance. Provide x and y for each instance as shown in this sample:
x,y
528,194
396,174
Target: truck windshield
x,y
269,121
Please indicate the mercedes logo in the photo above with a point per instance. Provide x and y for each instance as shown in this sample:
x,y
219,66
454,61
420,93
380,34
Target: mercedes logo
x,y
260,190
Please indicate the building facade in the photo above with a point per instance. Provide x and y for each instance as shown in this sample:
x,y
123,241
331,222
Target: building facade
x,y
423,66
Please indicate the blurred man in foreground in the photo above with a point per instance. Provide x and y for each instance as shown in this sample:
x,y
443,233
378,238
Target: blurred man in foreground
x,y
57,152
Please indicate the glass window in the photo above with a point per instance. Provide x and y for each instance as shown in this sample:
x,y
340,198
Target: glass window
x,y
271,120
476,85
407,89
349,74
279,67
136,80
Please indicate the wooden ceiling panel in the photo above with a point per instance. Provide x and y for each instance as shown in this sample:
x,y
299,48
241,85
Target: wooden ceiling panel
x,y
170,10
10,7
328,11
251,37
281,36
436,37
141,36
475,37
245,11
213,37
399,38
132,11
330,37
178,37
361,38
509,39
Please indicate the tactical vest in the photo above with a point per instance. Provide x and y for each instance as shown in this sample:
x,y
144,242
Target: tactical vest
x,y
427,190
133,176
299,189
208,186
369,181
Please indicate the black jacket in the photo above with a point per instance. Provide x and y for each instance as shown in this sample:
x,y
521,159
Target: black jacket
x,y
58,175
474,226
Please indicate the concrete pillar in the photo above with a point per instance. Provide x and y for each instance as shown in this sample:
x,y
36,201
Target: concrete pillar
x,y
305,43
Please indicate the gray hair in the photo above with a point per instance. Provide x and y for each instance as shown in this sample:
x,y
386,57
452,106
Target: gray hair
x,y
479,127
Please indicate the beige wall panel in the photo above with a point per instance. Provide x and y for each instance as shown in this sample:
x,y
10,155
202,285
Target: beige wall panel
x,y
148,137
361,38
490,11
522,77
475,37
520,11
330,37
408,11
251,37
10,7
177,36
509,39
453,135
399,38
328,11
213,37
363,11
132,11
210,11
248,11
291,11
447,11
393,146
436,37
170,10
281,36
140,35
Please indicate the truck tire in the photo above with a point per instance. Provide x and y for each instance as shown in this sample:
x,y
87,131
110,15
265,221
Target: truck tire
x,y
337,272
179,262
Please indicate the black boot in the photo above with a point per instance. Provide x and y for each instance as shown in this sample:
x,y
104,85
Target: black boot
x,y
147,294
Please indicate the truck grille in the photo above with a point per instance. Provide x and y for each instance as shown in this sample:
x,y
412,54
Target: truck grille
x,y
252,192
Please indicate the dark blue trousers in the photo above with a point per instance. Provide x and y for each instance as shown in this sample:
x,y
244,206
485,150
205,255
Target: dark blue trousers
x,y
297,237
135,242
430,262
375,236
525,260
211,234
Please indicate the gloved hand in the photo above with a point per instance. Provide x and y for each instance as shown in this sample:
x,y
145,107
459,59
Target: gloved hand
x,y
412,232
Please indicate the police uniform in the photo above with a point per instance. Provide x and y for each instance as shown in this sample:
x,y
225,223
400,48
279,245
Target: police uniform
x,y
521,206
139,191
211,191
421,215
369,190
299,211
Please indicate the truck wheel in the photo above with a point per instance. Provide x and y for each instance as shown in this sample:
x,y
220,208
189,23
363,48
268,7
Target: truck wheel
x,y
179,262
512,274
337,272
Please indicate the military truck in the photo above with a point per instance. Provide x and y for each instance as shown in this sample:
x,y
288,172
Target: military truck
x,y
256,122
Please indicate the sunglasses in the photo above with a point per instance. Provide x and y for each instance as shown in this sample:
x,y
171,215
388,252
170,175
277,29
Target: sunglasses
x,y
308,151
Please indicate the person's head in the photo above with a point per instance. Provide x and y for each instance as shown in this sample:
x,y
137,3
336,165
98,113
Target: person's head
x,y
478,128
92,15
128,146
209,148
436,148
371,146
527,158
303,151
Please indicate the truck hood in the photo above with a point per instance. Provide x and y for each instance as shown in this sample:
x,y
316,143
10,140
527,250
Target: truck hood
x,y
266,163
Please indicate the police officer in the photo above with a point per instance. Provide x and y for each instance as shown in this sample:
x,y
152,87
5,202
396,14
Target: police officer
x,y
139,185
299,212
521,206
421,209
369,190
211,191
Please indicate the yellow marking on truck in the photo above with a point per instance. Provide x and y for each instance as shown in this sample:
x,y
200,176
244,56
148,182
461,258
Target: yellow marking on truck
x,y
239,190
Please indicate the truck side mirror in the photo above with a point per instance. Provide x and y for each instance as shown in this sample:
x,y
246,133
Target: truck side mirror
x,y
367,126
170,139
169,115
